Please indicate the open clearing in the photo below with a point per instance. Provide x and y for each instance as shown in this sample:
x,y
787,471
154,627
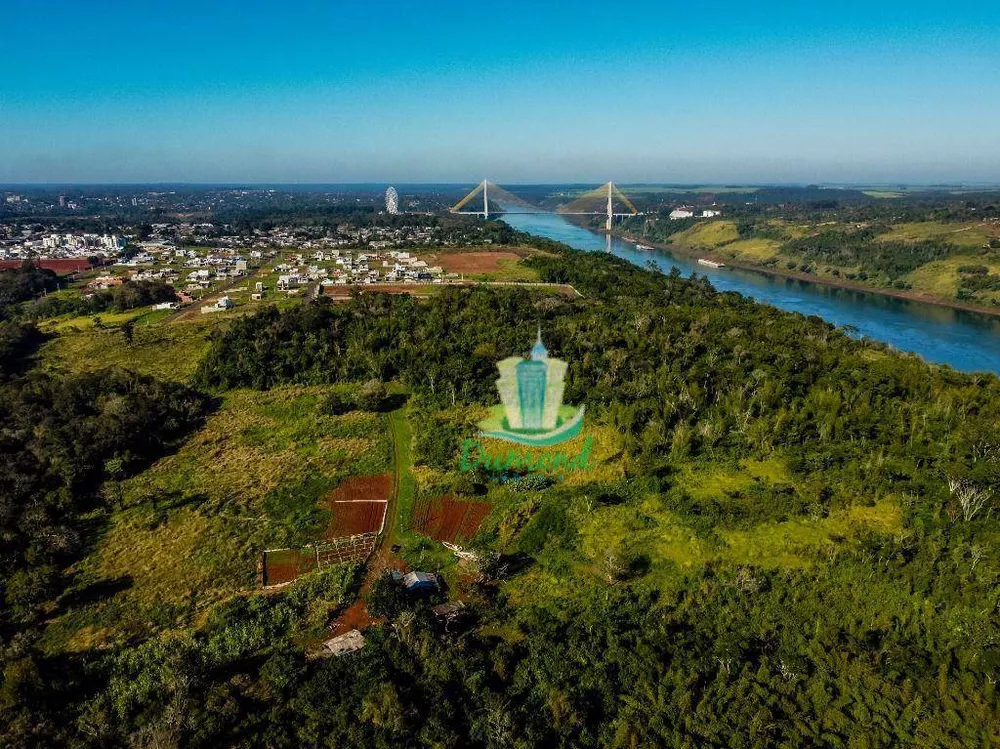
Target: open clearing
x,y
476,262
168,349
706,235
192,526
752,250
964,235
941,277
486,264
449,519
355,518
358,505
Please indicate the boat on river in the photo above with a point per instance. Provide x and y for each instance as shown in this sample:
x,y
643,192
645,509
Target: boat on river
x,y
710,263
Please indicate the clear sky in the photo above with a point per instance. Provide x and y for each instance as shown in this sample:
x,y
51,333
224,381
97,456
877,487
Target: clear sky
x,y
428,91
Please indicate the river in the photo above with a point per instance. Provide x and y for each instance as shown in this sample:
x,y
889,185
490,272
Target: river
x,y
966,341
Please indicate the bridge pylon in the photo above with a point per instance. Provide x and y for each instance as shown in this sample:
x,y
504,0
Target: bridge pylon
x,y
484,188
611,212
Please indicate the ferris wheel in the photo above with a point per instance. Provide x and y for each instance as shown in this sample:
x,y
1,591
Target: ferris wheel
x,y
392,201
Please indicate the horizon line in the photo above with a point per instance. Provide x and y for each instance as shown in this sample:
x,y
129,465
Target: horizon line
x,y
371,183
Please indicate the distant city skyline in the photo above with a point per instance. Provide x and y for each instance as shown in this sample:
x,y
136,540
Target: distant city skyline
x,y
653,93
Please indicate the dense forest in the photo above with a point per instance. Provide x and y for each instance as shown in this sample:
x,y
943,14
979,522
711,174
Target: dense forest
x,y
884,638
19,285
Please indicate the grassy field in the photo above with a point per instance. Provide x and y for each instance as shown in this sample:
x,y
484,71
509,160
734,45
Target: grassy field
x,y
512,270
169,349
71,323
706,235
647,528
964,235
752,250
942,279
191,528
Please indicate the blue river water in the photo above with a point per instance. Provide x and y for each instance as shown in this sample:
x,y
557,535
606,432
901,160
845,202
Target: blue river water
x,y
966,341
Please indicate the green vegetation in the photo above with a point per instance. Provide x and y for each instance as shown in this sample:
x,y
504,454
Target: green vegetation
x,y
876,251
188,531
19,285
707,234
166,348
126,296
512,270
63,439
787,538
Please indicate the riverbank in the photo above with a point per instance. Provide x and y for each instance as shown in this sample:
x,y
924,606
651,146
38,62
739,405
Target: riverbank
x,y
836,283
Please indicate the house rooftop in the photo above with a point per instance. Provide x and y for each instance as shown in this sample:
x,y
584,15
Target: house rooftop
x,y
343,644
420,580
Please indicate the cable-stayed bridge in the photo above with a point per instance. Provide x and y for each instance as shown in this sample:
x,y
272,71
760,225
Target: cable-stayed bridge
x,y
606,200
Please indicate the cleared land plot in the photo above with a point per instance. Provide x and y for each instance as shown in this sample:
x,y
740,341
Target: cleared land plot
x,y
354,518
358,505
486,263
449,519
282,566
476,262
345,291
364,489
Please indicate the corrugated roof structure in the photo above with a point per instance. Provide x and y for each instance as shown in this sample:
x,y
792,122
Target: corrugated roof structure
x,y
343,644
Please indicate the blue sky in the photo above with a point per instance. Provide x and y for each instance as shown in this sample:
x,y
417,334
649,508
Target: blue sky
x,y
262,91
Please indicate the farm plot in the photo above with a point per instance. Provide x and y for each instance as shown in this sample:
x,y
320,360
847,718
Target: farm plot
x,y
357,515
449,519
358,505
354,518
281,566
364,489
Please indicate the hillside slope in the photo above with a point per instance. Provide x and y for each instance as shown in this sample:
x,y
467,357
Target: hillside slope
x,y
772,534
